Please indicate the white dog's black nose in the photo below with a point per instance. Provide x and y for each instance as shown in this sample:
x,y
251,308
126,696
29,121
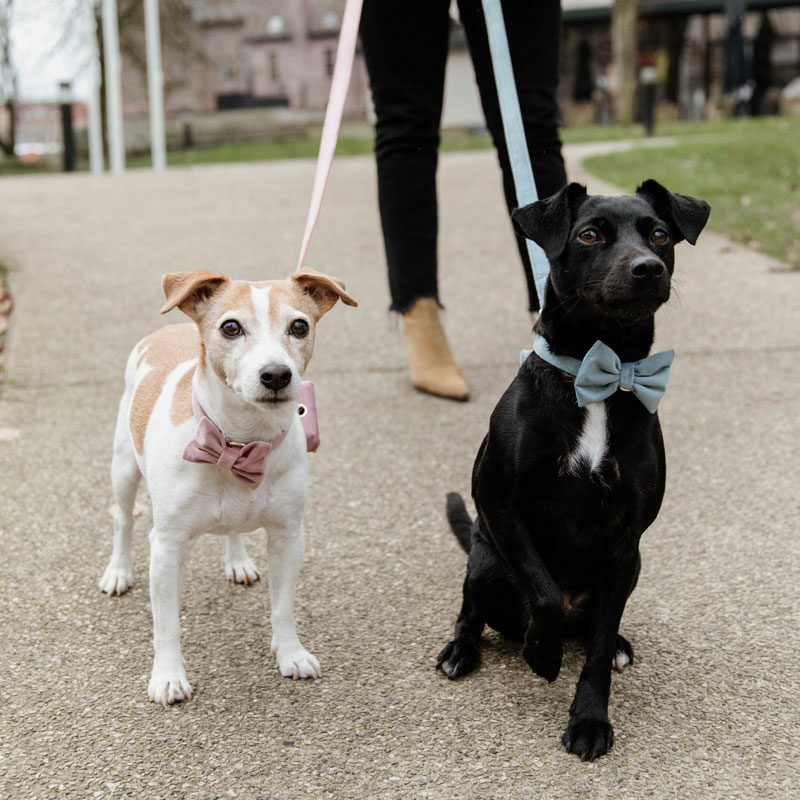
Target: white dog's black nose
x,y
275,377
647,267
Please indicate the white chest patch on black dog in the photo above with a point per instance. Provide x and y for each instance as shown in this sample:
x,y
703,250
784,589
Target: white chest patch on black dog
x,y
592,444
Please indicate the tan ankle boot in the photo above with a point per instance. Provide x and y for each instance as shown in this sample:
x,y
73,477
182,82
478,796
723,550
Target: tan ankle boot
x,y
431,363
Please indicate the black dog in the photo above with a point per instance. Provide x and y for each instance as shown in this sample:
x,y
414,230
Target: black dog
x,y
564,493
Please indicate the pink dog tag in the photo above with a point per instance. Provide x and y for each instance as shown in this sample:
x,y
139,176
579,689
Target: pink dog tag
x,y
307,409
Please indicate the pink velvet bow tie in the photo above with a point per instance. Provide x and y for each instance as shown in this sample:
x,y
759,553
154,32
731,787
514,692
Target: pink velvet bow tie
x,y
209,446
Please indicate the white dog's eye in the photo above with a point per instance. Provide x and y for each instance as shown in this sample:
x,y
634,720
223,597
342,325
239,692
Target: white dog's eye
x,y
231,328
299,329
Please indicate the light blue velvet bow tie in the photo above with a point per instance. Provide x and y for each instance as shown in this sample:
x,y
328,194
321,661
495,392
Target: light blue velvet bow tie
x,y
601,373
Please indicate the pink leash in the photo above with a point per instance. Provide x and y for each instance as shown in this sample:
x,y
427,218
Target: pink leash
x,y
340,82
343,68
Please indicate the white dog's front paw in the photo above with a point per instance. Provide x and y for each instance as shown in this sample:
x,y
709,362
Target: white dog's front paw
x,y
167,687
297,662
241,570
116,579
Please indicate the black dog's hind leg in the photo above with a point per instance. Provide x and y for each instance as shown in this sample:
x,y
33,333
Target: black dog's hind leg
x,y
589,733
462,655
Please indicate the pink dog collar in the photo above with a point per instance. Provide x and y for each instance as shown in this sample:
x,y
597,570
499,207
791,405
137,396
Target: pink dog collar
x,y
247,461
209,446
307,409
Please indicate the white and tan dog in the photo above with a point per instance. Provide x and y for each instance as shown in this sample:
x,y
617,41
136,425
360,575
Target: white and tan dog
x,y
240,362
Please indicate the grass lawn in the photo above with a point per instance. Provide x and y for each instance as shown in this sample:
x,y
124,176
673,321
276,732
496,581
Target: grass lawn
x,y
43,165
297,147
748,170
263,150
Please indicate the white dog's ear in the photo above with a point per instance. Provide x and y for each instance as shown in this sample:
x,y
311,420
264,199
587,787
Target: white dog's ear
x,y
323,289
190,291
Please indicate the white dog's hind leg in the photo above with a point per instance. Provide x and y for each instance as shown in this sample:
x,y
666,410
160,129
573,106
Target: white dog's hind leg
x,y
168,681
125,475
238,566
285,553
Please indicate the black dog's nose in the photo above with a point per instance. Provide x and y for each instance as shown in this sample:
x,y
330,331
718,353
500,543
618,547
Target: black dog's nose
x,y
647,267
275,377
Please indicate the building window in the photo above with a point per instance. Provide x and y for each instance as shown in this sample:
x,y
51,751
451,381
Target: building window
x,y
276,26
227,69
273,66
329,61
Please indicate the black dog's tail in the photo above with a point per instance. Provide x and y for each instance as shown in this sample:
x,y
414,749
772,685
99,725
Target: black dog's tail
x,y
459,519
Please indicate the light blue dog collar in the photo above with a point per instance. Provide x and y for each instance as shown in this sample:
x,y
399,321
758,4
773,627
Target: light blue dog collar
x,y
601,373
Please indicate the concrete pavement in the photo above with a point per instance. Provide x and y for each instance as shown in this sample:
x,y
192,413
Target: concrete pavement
x,y
710,709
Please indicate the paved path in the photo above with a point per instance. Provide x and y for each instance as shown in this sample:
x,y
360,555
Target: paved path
x,y
710,710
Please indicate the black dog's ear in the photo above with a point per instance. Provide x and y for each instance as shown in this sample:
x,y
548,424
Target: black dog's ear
x,y
686,215
548,221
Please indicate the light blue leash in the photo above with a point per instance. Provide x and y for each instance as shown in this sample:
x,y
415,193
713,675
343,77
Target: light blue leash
x,y
514,131
601,373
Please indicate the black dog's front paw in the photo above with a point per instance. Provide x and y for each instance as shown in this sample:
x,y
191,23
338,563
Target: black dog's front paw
x,y
459,658
543,660
588,738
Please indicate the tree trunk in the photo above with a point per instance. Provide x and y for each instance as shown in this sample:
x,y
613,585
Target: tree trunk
x,y
101,55
8,80
8,142
624,22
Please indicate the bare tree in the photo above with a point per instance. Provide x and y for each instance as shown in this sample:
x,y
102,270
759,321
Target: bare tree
x,y
8,79
177,36
624,23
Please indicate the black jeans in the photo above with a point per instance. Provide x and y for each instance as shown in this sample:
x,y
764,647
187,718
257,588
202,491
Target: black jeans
x,y
405,45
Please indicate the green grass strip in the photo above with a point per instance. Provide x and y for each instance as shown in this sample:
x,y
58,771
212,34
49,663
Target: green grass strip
x,y
748,170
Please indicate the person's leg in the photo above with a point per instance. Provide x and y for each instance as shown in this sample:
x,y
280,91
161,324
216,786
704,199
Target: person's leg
x,y
533,30
405,46
405,49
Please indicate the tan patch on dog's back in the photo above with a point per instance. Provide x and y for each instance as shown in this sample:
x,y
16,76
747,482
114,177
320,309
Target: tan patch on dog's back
x,y
181,408
162,351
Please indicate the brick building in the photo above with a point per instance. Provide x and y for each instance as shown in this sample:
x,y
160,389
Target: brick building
x,y
249,53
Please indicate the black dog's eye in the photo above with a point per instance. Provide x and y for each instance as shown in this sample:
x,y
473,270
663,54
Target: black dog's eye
x,y
589,236
659,236
299,329
231,328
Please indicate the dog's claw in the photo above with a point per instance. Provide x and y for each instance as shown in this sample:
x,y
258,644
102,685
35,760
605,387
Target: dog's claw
x,y
165,690
588,738
297,664
458,658
116,580
243,572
